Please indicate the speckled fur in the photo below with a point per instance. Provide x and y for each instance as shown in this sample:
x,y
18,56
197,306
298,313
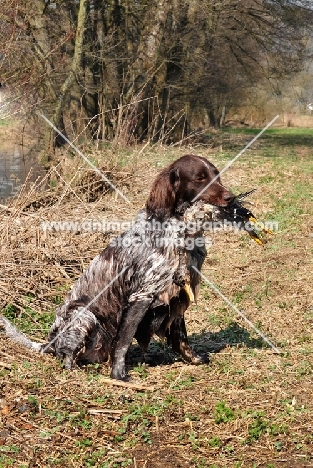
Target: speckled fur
x,y
131,289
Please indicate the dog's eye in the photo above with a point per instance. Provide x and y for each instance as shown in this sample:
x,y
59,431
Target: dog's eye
x,y
200,178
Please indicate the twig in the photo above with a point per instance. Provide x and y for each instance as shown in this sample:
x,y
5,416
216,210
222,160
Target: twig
x,y
14,211
105,411
5,365
133,386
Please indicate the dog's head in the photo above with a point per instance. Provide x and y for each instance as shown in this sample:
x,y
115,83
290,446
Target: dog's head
x,y
186,180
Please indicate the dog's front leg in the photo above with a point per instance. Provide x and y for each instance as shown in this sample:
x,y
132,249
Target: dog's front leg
x,y
177,337
125,335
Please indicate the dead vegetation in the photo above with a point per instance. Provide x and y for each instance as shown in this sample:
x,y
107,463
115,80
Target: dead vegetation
x,y
247,408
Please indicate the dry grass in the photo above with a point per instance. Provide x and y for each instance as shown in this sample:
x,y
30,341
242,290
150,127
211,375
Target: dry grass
x,y
247,408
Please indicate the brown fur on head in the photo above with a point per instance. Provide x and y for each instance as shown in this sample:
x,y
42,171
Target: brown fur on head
x,y
178,184
161,201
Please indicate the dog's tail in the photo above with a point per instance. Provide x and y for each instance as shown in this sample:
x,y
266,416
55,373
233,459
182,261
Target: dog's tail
x,y
19,337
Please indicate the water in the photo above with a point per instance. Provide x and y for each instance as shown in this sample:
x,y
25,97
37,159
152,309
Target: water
x,y
16,165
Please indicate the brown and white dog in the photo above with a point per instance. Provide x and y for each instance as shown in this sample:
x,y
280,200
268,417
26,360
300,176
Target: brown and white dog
x,y
136,286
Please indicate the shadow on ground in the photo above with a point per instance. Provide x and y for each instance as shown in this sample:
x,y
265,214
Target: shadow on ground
x,y
291,140
203,344
269,140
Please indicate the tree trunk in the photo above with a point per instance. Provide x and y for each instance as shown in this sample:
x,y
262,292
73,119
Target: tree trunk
x,y
57,119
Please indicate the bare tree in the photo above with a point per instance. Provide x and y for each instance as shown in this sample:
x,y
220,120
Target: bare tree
x,y
155,69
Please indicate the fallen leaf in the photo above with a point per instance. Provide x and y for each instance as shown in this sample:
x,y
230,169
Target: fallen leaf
x,y
5,410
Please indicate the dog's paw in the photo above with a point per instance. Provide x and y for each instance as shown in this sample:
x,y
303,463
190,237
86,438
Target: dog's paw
x,y
68,363
117,374
66,360
197,360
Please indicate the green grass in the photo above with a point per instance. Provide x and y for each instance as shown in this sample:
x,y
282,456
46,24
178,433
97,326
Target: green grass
x,y
257,427
223,413
274,143
4,122
276,131
29,321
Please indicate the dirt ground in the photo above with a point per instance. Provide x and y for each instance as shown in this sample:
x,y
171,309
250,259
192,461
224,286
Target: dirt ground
x,y
248,406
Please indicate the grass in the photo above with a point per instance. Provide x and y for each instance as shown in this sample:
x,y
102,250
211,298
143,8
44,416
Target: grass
x,y
283,136
223,413
5,122
247,407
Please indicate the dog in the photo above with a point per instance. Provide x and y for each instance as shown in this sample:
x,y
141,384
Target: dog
x,y
142,283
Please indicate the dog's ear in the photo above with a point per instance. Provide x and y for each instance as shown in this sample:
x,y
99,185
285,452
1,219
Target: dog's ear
x,y
161,201
174,177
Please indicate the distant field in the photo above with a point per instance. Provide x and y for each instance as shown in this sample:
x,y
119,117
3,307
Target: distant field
x,y
270,131
277,136
248,407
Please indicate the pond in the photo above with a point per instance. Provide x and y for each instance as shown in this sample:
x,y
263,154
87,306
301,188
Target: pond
x,y
16,166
